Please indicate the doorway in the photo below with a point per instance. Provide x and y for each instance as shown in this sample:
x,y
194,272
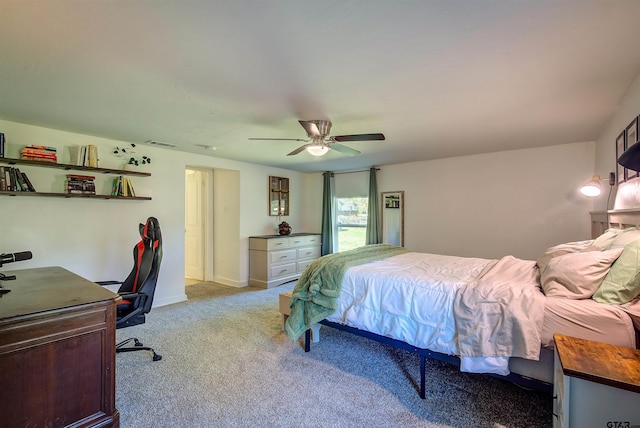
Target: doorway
x,y
212,226
197,228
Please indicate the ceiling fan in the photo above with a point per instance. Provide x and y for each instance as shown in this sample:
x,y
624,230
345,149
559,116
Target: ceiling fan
x,y
319,141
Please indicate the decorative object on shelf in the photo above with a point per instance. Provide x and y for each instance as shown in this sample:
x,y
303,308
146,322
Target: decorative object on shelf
x,y
284,228
129,155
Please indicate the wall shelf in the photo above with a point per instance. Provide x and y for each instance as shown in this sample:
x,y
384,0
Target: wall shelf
x,y
72,195
69,167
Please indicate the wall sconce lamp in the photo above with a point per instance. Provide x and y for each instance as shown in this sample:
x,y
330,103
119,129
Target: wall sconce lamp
x,y
593,187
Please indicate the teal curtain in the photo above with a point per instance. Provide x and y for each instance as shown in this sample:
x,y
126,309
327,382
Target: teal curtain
x,y
327,214
374,231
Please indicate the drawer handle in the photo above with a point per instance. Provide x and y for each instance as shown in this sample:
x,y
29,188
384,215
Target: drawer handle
x,y
283,257
283,271
278,243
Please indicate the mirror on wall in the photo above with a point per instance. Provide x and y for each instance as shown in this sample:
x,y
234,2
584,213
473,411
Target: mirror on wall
x,y
393,218
278,196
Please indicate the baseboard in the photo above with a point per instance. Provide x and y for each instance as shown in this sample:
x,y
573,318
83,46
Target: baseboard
x,y
169,300
229,282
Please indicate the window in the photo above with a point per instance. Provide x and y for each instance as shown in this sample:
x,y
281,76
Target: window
x,y
351,222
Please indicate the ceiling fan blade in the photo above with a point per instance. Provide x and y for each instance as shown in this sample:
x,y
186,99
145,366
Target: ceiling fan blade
x,y
344,149
298,150
280,139
310,127
359,137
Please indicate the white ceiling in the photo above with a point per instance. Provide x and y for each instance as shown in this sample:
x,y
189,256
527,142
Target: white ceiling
x,y
438,78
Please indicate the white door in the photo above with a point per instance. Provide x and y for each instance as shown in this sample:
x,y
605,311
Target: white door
x,y
194,225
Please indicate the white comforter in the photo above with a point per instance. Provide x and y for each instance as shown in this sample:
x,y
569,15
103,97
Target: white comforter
x,y
483,310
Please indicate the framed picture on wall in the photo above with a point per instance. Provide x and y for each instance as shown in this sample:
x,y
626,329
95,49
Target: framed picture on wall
x,y
631,138
620,148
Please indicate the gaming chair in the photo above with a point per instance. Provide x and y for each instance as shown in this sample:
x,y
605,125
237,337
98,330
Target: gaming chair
x,y
138,288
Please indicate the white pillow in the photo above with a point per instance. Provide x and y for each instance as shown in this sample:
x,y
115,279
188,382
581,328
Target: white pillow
x,y
577,275
605,240
561,249
626,237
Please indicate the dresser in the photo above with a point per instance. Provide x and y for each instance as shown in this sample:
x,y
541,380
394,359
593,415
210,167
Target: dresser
x,y
276,259
595,384
57,351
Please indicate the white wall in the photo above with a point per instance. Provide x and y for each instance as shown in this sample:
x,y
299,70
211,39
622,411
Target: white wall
x,y
94,237
508,203
605,145
514,202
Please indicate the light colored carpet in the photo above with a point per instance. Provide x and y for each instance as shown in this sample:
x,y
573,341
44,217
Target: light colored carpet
x,y
226,363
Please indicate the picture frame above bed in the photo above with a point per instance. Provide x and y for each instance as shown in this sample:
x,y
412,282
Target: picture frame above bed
x,y
631,138
393,218
621,172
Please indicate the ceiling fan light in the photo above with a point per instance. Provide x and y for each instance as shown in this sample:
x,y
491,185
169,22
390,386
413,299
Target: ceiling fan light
x,y
317,150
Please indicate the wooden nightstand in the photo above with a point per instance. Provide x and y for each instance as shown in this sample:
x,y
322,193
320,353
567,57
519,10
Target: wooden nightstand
x,y
595,384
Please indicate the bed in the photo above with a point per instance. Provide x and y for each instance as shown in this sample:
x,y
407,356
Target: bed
x,y
489,316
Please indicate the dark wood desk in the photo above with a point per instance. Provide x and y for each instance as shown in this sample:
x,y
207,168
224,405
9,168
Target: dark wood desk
x,y
57,351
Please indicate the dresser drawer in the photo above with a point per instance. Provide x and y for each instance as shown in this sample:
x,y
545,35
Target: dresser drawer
x,y
277,243
282,256
282,270
297,241
308,253
313,240
302,265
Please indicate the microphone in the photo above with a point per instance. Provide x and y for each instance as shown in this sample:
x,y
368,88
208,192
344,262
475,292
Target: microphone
x,y
15,257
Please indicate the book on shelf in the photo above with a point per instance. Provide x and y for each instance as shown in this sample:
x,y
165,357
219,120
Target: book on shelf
x,y
39,153
30,187
81,184
84,155
13,180
122,186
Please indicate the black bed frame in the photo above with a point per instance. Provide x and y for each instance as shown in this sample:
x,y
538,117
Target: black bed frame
x,y
517,379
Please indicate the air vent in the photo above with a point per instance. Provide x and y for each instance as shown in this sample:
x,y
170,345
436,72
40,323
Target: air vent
x,y
158,143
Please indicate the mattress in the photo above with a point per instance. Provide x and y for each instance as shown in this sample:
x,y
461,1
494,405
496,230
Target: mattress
x,y
413,297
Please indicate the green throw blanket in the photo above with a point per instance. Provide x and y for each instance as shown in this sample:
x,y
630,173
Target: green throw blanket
x,y
316,293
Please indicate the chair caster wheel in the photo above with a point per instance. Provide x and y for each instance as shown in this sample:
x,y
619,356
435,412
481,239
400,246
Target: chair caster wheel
x,y
157,357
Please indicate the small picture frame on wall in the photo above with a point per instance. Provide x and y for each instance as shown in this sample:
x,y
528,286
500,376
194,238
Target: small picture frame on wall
x,y
631,138
621,172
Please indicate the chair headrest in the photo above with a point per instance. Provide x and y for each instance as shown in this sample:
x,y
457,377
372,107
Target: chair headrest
x,y
150,230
